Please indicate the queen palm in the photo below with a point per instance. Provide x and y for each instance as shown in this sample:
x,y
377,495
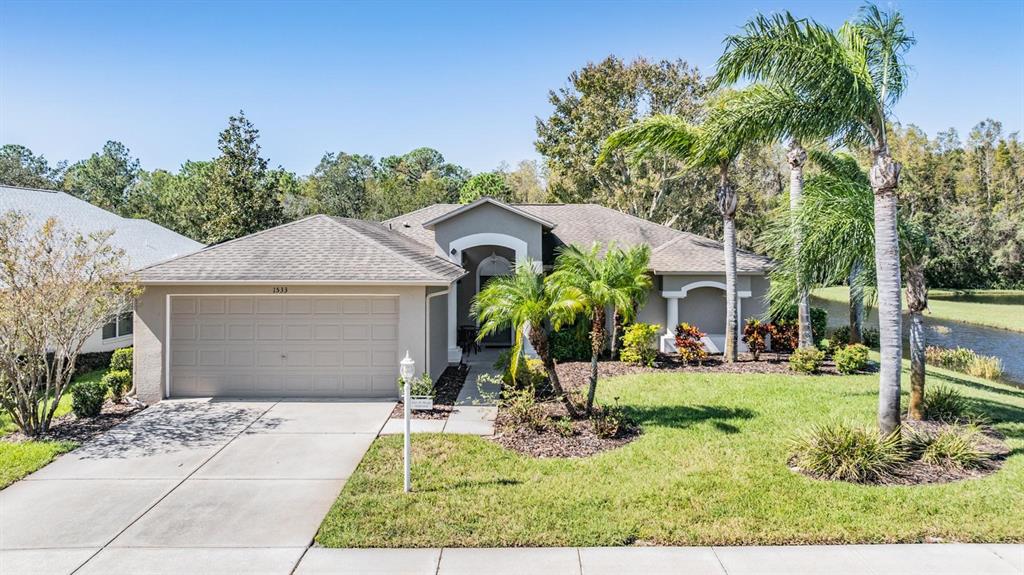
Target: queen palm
x,y
601,282
692,145
850,78
526,303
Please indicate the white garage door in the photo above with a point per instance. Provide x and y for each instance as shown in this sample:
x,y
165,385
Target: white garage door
x,y
332,346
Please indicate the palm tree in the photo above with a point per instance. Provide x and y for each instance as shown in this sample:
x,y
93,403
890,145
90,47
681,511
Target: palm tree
x,y
691,144
914,247
526,303
600,285
850,78
629,270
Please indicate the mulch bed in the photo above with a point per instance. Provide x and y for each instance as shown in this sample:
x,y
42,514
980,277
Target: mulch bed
x,y
920,473
446,391
547,441
71,428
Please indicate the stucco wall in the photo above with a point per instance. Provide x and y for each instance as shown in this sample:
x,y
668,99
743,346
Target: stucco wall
x,y
438,332
150,323
703,306
489,219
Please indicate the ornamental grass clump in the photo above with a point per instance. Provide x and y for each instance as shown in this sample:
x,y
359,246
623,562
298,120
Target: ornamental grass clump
x,y
946,404
843,452
956,447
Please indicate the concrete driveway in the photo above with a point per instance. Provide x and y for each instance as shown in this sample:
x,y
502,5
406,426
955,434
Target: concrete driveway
x,y
190,486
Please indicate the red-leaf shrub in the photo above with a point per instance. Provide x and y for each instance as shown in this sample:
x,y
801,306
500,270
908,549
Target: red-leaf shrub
x,y
688,343
755,334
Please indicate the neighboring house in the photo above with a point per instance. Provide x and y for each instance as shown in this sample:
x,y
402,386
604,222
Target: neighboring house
x,y
144,243
327,306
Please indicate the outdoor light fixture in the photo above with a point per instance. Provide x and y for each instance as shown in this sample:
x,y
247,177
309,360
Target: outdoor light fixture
x,y
407,368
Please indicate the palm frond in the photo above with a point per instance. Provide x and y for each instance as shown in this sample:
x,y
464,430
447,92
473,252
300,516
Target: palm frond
x,y
839,165
661,133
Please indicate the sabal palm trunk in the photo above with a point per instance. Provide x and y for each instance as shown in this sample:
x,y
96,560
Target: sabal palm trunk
x,y
597,335
541,344
884,181
727,206
917,302
796,157
856,304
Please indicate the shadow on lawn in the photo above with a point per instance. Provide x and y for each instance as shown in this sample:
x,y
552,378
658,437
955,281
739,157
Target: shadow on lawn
x,y
687,415
465,483
1015,392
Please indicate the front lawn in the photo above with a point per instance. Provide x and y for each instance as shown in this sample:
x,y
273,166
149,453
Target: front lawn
x,y
19,459
710,468
1001,315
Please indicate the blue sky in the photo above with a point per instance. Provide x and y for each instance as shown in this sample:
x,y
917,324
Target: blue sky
x,y
466,78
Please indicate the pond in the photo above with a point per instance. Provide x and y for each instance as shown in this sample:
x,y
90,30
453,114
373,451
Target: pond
x,y
1005,344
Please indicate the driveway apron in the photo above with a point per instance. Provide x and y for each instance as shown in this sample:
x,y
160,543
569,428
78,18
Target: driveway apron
x,y
190,486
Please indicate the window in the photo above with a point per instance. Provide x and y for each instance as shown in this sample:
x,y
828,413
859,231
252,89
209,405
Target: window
x,y
118,326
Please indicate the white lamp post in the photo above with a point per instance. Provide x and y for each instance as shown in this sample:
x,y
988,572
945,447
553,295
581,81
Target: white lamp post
x,y
407,370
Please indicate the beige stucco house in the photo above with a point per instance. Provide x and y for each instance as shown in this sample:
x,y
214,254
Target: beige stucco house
x,y
327,306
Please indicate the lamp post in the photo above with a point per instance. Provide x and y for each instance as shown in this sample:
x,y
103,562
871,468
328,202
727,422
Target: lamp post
x,y
406,371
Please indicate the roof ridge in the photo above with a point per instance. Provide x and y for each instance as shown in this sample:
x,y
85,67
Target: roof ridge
x,y
16,187
214,246
422,268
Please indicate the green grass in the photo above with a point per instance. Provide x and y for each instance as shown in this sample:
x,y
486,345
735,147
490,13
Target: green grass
x,y
710,468
1003,316
19,459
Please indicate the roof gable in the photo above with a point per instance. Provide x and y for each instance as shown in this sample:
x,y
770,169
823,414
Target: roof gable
x,y
429,224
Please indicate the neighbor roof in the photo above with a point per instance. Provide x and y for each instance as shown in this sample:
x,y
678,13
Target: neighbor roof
x,y
144,243
317,249
673,251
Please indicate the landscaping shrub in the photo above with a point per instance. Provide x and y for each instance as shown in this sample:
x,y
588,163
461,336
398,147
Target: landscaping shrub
x,y
819,320
839,451
986,366
829,347
785,335
869,335
955,447
571,343
563,426
945,403
529,372
608,421
87,398
520,403
755,335
689,344
806,360
421,386
852,358
638,343
119,382
121,360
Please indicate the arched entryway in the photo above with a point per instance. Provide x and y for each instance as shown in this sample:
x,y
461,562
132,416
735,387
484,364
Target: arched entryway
x,y
702,303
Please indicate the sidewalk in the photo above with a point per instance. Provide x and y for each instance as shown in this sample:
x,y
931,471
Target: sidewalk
x,y
933,559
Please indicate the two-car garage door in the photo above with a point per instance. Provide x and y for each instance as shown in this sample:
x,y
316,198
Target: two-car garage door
x,y
332,346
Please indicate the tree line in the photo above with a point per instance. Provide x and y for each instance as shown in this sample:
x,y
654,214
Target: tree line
x,y
965,193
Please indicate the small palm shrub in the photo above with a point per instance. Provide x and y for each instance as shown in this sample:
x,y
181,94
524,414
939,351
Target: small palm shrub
x,y
806,360
755,335
852,358
87,398
689,344
638,344
843,452
945,403
955,447
119,382
121,360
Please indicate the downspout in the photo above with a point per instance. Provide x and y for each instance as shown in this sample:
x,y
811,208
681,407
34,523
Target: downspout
x,y
426,327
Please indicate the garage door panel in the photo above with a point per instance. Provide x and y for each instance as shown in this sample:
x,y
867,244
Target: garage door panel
x,y
331,346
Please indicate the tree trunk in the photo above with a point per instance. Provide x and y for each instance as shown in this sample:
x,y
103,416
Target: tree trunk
x,y
539,341
796,157
917,302
727,206
884,181
597,334
614,346
856,305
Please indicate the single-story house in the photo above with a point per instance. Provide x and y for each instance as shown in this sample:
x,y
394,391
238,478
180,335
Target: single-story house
x,y
143,242
327,306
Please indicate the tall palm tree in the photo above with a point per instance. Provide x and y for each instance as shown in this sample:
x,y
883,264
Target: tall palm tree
x,y
629,268
850,78
526,303
914,247
596,280
691,144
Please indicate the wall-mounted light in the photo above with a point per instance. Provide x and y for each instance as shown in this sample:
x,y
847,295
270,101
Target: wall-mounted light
x,y
454,251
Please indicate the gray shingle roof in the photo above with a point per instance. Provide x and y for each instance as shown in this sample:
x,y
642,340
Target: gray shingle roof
x,y
315,249
143,242
673,251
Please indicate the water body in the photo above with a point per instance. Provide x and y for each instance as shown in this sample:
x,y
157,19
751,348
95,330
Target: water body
x,y
1005,344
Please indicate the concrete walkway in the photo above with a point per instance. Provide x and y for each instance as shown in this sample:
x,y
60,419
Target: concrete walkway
x,y
189,487
937,559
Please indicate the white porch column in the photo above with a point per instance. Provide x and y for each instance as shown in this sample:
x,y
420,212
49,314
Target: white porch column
x,y
740,346
454,351
668,341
